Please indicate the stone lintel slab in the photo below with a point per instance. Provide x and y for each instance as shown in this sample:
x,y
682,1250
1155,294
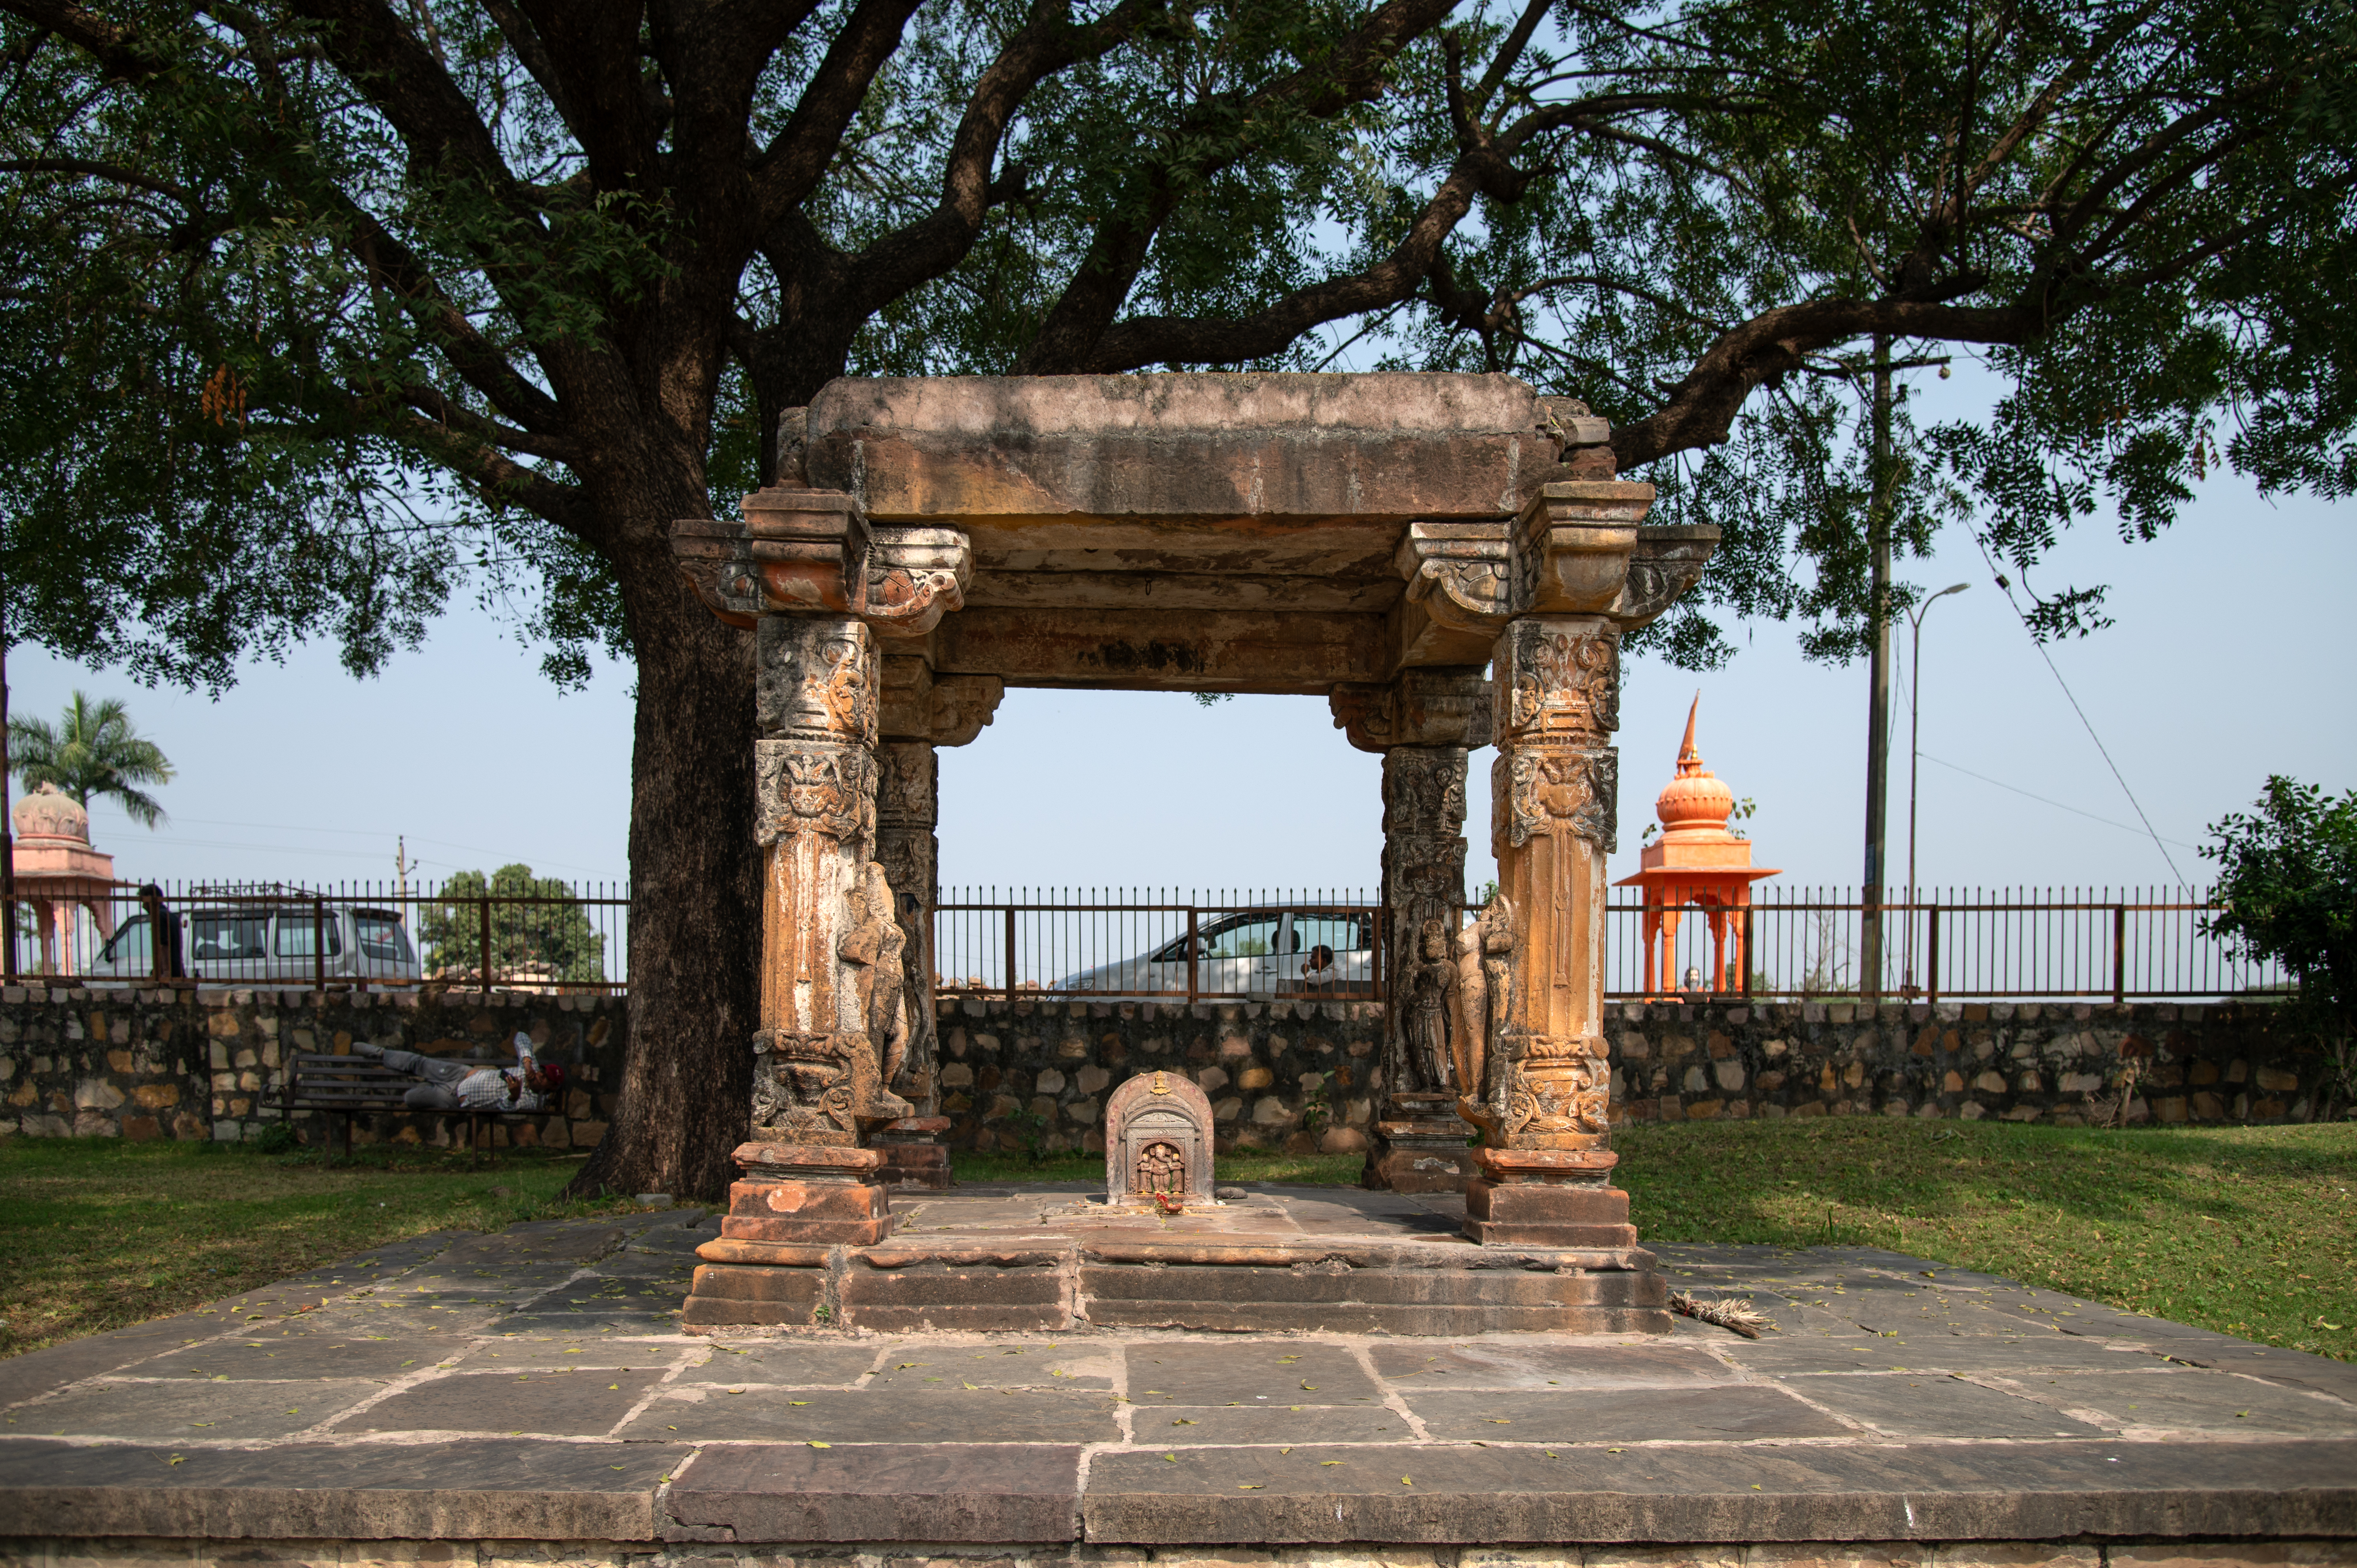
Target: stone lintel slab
x,y
499,1490
1182,445
1177,650
1026,1492
2027,1492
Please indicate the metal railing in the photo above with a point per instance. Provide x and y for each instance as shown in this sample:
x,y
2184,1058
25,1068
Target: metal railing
x,y
1159,944
365,934
2115,945
1790,942
2087,943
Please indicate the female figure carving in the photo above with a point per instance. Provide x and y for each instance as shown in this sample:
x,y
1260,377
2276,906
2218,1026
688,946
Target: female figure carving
x,y
1431,983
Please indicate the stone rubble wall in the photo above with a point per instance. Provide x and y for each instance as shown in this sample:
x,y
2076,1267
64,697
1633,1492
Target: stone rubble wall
x,y
2015,1061
117,1062
1260,1062
105,1062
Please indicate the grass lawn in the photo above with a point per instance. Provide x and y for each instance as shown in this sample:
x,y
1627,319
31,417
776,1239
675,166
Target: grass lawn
x,y
2247,1230
2250,1230
96,1233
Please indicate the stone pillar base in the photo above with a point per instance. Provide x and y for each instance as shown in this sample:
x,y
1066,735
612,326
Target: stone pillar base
x,y
803,1195
913,1156
1420,1146
1546,1197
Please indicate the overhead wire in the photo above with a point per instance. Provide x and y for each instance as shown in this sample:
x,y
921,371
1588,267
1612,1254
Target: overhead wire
x,y
2005,586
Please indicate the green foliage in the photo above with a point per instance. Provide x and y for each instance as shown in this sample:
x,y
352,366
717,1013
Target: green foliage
x,y
552,940
1031,1129
2287,892
309,324
93,750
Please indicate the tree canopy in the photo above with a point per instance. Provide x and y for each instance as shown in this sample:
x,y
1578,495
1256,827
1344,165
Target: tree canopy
x,y
542,934
319,311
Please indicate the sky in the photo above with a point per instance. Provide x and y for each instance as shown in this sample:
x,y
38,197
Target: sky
x,y
2229,661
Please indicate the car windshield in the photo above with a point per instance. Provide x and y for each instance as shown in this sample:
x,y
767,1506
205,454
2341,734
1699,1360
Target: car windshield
x,y
1342,933
130,944
226,936
297,929
381,935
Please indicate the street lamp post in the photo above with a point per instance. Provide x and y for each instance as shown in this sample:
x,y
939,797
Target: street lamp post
x,y
1914,737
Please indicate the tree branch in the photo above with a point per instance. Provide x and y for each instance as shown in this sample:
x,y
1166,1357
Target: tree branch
x,y
1701,409
789,168
924,249
1072,337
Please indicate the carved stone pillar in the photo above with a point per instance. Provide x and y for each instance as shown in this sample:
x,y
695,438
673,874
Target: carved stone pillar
x,y
1423,724
921,712
1531,970
819,589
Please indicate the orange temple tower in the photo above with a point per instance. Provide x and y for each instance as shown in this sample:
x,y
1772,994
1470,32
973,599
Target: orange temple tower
x,y
1696,862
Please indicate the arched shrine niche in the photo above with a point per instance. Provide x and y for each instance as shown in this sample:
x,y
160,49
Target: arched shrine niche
x,y
1157,1142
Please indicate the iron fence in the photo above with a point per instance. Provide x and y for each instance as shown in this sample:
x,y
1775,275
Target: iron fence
x,y
2102,943
1158,944
2109,944
366,934
1168,945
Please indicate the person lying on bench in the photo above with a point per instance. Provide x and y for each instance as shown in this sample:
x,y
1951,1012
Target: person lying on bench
x,y
462,1085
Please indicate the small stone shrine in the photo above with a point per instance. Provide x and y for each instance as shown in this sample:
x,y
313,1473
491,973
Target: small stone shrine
x,y
1698,861
1158,1137
1375,540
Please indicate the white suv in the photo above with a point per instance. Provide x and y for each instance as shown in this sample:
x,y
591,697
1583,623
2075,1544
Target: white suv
x,y
256,944
1257,953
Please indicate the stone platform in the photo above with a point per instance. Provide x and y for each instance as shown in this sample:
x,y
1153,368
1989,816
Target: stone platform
x,y
1057,1257
529,1397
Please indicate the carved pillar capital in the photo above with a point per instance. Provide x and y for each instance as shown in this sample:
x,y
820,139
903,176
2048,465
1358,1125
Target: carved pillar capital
x,y
813,552
1420,707
942,709
1572,545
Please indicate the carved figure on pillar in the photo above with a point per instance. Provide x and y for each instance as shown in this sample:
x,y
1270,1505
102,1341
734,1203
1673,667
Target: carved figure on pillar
x,y
1423,873
920,713
824,1049
1424,723
906,810
1430,985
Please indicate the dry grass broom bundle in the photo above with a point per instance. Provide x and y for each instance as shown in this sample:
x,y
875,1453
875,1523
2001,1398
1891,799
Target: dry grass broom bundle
x,y
1738,1316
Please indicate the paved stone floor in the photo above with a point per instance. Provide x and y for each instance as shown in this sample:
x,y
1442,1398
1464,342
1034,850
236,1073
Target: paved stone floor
x,y
533,1385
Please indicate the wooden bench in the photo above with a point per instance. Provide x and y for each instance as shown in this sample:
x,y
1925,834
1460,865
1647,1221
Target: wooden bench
x,y
348,1086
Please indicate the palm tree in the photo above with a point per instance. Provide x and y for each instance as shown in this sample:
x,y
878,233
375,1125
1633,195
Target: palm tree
x,y
93,751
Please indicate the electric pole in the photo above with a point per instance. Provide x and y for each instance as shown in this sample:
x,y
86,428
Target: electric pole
x,y
1878,718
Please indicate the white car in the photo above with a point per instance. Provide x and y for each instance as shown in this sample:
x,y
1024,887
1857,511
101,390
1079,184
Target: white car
x,y
1256,954
265,945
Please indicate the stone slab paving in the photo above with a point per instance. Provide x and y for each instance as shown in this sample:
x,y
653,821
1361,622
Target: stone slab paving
x,y
533,1386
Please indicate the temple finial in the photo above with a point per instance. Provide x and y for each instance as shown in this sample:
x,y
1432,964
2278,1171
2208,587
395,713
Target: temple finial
x,y
1689,759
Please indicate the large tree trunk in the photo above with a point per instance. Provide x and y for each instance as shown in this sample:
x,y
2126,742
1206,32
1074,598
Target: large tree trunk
x,y
686,1090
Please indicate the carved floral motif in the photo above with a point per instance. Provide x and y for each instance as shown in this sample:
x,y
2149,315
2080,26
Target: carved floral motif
x,y
1558,683
1576,789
